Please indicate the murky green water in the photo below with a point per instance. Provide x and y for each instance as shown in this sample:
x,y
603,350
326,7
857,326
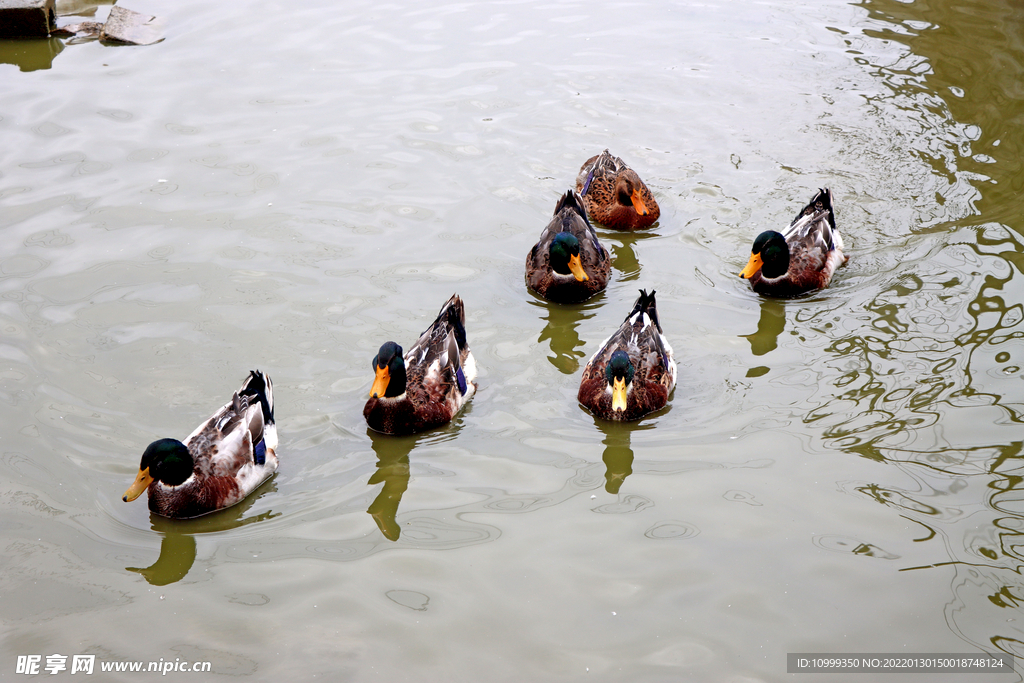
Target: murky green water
x,y
286,187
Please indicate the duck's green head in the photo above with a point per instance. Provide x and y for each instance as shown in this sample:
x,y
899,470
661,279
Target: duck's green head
x,y
167,461
619,373
389,372
565,256
770,254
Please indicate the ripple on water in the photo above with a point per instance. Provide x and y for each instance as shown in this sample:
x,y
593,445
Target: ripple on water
x,y
843,544
625,505
22,266
672,530
411,599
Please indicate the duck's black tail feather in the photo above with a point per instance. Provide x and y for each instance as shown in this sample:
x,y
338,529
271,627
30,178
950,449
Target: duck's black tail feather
x,y
822,201
456,318
259,386
454,314
645,303
572,201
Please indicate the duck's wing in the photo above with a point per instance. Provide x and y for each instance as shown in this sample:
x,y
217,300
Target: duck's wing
x,y
604,167
239,433
222,444
814,228
436,360
657,363
586,175
607,164
640,336
259,392
569,208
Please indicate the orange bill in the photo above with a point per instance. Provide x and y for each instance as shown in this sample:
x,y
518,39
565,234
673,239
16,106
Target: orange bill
x,y
619,394
638,203
753,265
142,482
380,382
577,268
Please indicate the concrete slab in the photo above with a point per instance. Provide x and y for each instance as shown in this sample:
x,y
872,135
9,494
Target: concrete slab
x,y
126,26
27,18
80,32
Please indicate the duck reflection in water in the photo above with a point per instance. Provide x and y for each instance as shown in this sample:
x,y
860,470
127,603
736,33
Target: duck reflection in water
x,y
393,470
624,258
769,327
618,451
618,456
563,319
178,545
177,554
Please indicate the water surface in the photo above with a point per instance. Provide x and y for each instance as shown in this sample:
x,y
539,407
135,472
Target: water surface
x,y
288,187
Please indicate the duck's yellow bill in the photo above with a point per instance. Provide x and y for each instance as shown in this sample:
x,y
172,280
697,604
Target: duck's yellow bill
x,y
753,265
142,482
380,382
638,203
577,268
618,394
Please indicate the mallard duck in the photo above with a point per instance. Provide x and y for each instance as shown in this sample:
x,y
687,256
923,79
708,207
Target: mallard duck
x,y
803,257
568,263
633,372
220,463
614,194
430,384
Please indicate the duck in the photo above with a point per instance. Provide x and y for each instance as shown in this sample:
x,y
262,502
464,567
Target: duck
x,y
614,194
568,264
430,384
801,258
225,459
634,372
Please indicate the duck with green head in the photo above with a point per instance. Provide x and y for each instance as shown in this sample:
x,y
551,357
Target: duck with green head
x,y
634,372
224,460
568,264
427,386
801,258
